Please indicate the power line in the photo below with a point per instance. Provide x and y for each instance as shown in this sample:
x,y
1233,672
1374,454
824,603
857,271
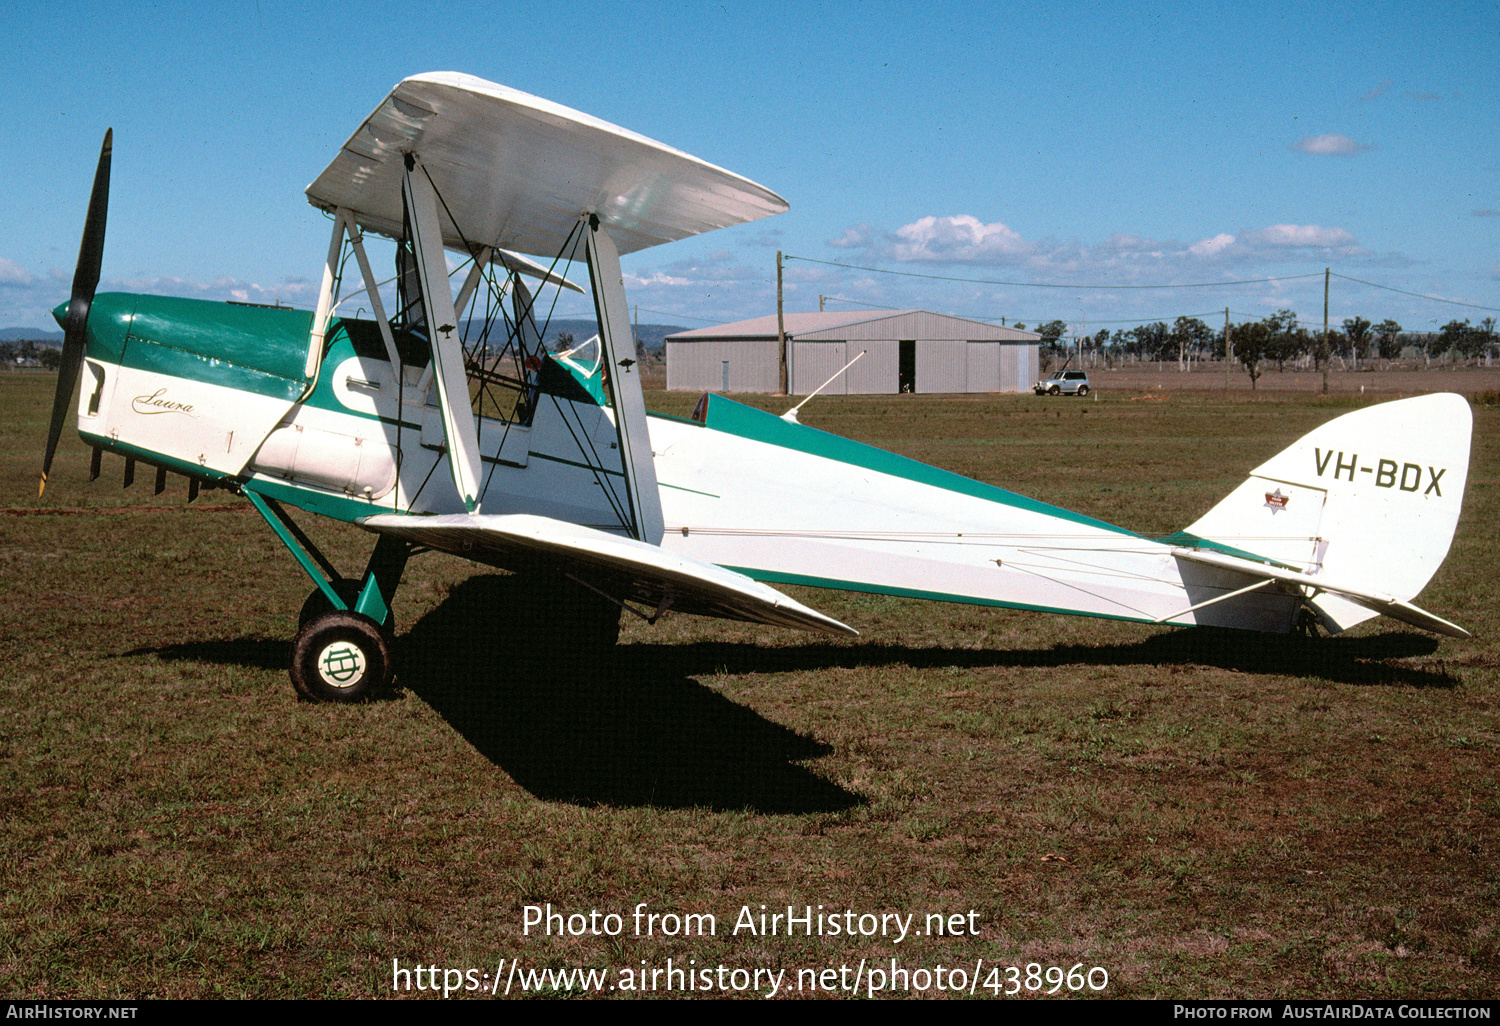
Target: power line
x,y
1148,320
860,302
1181,285
1048,285
1435,299
589,315
668,313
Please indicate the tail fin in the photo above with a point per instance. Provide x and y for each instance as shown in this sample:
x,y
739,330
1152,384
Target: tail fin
x,y
1370,498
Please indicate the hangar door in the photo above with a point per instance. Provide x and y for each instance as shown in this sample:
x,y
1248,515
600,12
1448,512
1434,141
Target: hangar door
x,y
941,366
873,374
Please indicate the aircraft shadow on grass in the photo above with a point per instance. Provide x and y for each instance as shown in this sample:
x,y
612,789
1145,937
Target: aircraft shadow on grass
x,y
631,726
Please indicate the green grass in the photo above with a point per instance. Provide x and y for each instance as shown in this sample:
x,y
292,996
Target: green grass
x,y
1204,814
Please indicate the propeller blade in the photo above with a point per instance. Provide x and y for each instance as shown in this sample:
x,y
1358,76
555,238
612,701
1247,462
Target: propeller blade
x,y
85,281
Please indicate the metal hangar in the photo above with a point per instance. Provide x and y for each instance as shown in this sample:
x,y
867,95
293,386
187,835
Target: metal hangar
x,y
904,351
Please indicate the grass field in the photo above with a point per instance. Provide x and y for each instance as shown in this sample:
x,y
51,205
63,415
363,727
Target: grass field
x,y
1201,814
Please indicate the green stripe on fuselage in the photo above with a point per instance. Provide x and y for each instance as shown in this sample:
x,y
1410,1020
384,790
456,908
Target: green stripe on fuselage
x,y
1186,540
150,456
313,500
146,355
736,419
254,349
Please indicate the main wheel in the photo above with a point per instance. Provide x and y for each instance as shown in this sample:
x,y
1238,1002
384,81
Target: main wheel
x,y
340,656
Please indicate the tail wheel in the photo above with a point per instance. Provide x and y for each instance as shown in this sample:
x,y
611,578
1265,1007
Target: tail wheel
x,y
340,656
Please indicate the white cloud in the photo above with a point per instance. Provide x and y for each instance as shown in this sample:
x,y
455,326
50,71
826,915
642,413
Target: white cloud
x,y
1300,236
1212,247
856,237
655,278
963,238
12,273
1332,144
1125,244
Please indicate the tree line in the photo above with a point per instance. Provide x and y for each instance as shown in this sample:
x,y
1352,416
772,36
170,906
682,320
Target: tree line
x,y
1275,339
30,352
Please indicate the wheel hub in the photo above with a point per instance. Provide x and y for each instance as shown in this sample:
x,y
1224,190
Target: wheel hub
x,y
341,664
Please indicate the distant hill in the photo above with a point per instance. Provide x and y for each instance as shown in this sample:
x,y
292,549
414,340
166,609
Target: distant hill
x,y
652,336
33,334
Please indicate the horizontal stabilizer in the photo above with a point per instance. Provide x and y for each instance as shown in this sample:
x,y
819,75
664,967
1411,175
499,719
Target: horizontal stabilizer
x,y
1386,605
619,567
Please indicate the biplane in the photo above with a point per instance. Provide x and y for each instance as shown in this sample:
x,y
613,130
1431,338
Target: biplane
x,y
445,424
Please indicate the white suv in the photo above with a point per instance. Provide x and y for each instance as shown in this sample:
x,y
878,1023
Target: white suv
x,y
1066,383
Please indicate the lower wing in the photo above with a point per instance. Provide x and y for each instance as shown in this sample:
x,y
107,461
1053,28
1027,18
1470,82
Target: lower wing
x,y
619,568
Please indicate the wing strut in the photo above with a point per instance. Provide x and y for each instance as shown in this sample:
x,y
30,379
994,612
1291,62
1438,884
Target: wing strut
x,y
442,325
625,384
475,276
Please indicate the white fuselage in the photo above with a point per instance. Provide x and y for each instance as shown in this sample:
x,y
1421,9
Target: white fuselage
x,y
777,501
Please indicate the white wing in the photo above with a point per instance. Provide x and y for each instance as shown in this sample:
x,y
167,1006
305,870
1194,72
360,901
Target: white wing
x,y
619,567
516,171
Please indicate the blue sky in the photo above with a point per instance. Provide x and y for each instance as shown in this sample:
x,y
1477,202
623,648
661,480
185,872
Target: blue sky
x,y
1068,144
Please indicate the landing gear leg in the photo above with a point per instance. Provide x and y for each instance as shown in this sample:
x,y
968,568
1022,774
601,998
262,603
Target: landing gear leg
x,y
342,651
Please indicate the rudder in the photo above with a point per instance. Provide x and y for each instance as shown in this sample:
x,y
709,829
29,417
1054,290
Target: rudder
x,y
1371,498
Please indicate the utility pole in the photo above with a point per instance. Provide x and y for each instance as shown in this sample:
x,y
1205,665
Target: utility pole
x,y
1323,348
781,326
820,302
1228,350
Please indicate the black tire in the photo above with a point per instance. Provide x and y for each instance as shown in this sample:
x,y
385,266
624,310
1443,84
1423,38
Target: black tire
x,y
340,656
1054,390
317,603
1083,390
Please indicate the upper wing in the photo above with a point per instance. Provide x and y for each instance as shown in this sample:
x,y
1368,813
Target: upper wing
x,y
619,567
516,171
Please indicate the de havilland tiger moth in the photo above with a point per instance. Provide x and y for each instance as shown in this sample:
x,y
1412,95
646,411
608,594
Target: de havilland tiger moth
x,y
438,426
